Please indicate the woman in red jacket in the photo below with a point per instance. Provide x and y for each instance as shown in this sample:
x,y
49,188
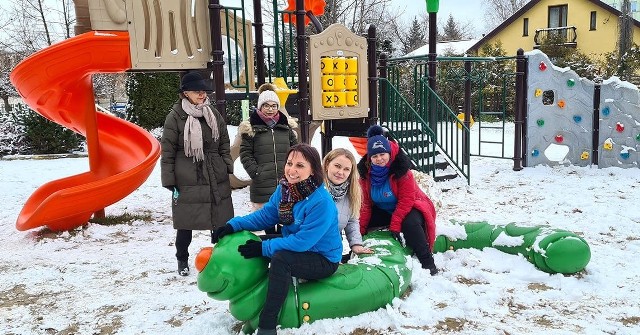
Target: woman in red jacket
x,y
392,199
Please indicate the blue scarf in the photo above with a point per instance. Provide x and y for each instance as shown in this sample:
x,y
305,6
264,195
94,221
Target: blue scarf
x,y
379,174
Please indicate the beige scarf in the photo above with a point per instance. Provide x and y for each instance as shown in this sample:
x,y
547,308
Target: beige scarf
x,y
193,142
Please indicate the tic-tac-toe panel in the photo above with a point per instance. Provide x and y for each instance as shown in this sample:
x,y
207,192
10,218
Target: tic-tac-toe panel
x,y
560,114
338,84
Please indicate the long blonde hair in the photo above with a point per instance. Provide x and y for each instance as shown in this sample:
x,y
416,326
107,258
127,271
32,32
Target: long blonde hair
x,y
354,193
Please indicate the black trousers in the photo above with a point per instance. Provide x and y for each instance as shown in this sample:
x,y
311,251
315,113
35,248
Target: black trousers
x,y
183,240
284,265
413,229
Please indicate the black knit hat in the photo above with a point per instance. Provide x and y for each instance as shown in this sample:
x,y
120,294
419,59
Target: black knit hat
x,y
193,81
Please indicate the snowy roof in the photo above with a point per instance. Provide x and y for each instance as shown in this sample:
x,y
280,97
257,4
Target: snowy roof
x,y
456,47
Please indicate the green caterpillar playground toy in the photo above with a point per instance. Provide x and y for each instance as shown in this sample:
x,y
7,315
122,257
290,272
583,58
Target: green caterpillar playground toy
x,y
368,282
365,284
550,250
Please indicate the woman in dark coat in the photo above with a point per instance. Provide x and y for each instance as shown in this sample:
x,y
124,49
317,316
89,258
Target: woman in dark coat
x,y
195,165
392,199
266,139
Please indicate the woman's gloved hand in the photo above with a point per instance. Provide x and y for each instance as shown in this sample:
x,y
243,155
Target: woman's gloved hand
x,y
251,249
221,232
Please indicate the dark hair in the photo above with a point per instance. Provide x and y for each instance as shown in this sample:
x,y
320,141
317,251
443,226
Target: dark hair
x,y
311,155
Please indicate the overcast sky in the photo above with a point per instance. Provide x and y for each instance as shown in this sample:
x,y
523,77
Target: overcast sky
x,y
461,10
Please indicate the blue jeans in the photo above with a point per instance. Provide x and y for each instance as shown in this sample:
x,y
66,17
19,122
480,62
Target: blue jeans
x,y
284,265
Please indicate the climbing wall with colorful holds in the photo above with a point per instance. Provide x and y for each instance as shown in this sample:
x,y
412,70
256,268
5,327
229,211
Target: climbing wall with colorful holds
x,y
619,114
560,114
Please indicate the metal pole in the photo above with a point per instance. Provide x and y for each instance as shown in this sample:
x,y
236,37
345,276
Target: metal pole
x,y
372,71
519,111
217,53
303,91
595,133
433,33
259,32
467,113
383,112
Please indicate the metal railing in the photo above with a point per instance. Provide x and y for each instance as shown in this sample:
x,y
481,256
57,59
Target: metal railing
x,y
556,36
420,141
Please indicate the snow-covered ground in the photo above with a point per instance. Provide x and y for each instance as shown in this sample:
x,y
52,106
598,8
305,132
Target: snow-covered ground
x,y
122,279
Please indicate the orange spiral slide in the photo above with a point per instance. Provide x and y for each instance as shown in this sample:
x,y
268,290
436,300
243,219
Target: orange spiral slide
x,y
56,83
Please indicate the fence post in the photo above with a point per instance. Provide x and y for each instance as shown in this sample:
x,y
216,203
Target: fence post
x,y
595,133
519,111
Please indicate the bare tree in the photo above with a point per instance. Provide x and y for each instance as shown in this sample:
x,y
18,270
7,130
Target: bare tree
x,y
28,26
497,11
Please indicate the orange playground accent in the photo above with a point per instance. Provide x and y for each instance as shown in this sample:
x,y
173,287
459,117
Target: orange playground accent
x,y
360,144
56,83
315,6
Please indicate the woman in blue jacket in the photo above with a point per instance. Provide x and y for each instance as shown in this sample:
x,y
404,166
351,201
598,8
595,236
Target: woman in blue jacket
x,y
310,246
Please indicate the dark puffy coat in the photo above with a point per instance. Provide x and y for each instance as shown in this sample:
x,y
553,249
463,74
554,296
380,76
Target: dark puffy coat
x,y
263,152
204,202
404,187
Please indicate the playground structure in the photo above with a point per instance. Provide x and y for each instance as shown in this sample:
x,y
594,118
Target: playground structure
x,y
370,281
138,37
550,106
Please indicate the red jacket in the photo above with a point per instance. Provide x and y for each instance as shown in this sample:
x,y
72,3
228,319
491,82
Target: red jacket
x,y
410,196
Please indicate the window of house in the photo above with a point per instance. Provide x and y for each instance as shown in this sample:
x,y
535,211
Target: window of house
x,y
592,21
634,6
558,16
525,27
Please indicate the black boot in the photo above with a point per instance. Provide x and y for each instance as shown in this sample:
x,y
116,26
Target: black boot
x,y
426,259
183,268
262,331
430,265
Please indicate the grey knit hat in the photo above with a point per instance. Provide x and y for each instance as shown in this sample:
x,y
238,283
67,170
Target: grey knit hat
x,y
267,96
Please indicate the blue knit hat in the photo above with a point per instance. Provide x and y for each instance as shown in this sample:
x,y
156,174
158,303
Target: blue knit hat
x,y
377,143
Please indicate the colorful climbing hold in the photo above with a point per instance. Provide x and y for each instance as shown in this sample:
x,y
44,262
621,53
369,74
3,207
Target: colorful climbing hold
x,y
638,137
538,92
542,66
624,155
535,153
577,118
571,82
540,122
559,138
608,144
584,155
606,111
619,127
561,103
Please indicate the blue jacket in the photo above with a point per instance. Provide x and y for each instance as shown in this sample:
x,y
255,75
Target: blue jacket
x,y
315,226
